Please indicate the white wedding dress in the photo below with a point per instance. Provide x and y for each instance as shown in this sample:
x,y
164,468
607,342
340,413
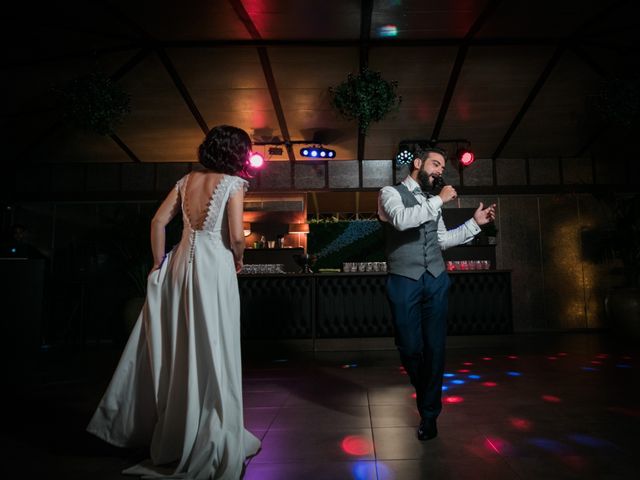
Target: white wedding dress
x,y
178,385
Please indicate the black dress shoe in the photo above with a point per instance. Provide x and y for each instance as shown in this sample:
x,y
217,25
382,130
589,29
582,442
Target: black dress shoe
x,y
427,429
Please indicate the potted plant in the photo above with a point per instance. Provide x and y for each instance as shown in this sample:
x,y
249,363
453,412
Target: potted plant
x,y
94,103
366,97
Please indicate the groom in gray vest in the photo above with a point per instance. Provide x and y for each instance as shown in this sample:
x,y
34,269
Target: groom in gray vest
x,y
417,284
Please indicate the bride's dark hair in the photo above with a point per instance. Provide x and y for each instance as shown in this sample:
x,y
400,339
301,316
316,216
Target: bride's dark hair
x,y
225,149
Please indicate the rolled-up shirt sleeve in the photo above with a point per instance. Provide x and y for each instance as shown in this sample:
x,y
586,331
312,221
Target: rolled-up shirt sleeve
x,y
392,210
457,236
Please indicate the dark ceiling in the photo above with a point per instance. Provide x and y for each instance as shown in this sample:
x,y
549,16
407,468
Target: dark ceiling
x,y
514,77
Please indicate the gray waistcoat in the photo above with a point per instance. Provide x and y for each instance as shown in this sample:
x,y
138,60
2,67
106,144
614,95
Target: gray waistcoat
x,y
411,252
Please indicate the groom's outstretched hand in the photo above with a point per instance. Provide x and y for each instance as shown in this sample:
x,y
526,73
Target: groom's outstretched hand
x,y
482,215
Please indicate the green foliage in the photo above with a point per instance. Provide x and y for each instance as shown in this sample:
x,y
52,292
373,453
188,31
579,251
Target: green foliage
x,y
94,103
367,248
366,97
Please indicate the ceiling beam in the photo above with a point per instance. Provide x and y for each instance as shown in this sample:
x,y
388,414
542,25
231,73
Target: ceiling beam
x,y
566,43
265,62
457,66
182,89
130,64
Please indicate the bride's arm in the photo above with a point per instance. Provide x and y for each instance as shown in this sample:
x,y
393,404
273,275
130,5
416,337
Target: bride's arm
x,y
163,216
235,206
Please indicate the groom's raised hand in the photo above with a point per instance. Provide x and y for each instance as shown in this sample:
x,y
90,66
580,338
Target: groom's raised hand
x,y
482,215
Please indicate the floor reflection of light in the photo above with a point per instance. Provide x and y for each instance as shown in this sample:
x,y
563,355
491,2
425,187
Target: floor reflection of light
x,y
489,384
487,358
602,355
550,445
551,398
464,370
590,369
453,399
384,472
623,365
458,382
444,388
520,424
496,444
356,445
589,441
562,354
449,375
467,364
552,358
474,377
349,365
364,470
514,374
596,362
512,357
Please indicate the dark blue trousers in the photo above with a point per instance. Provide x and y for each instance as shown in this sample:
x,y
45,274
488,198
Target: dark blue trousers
x,y
419,310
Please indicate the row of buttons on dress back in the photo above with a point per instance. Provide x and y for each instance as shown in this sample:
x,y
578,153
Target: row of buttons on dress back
x,y
192,249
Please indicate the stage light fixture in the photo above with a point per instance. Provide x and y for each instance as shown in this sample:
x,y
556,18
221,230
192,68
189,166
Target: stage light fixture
x,y
465,157
256,160
404,156
317,152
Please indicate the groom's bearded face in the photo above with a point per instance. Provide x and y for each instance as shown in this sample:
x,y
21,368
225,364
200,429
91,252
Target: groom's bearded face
x,y
424,179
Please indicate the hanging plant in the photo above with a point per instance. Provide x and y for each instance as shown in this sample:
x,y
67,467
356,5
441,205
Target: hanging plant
x,y
618,101
94,103
366,97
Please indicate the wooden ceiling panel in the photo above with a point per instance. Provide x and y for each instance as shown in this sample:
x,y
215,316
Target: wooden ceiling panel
x,y
420,19
236,94
184,20
160,127
422,75
493,84
543,18
556,124
309,19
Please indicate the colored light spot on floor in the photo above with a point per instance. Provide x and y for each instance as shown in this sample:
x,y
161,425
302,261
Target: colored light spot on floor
x,y
551,398
449,375
474,377
486,359
514,374
463,370
453,399
520,424
356,445
489,384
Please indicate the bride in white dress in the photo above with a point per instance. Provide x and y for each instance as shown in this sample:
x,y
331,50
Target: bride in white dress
x,y
178,385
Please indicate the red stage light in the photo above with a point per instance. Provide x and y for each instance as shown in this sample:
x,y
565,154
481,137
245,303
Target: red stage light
x,y
256,160
466,157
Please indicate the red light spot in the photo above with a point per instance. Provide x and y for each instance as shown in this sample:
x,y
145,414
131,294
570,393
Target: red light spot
x,y
413,395
494,444
468,364
464,370
256,160
562,354
487,358
552,358
602,355
489,384
551,399
596,362
467,158
512,357
520,424
356,445
453,399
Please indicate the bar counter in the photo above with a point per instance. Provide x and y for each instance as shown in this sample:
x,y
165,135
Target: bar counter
x,y
343,305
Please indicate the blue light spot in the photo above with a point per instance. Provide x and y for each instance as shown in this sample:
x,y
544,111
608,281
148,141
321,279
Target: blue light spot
x,y
550,445
13,250
590,441
457,382
383,472
474,377
444,387
363,470
514,374
589,369
449,375
623,365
